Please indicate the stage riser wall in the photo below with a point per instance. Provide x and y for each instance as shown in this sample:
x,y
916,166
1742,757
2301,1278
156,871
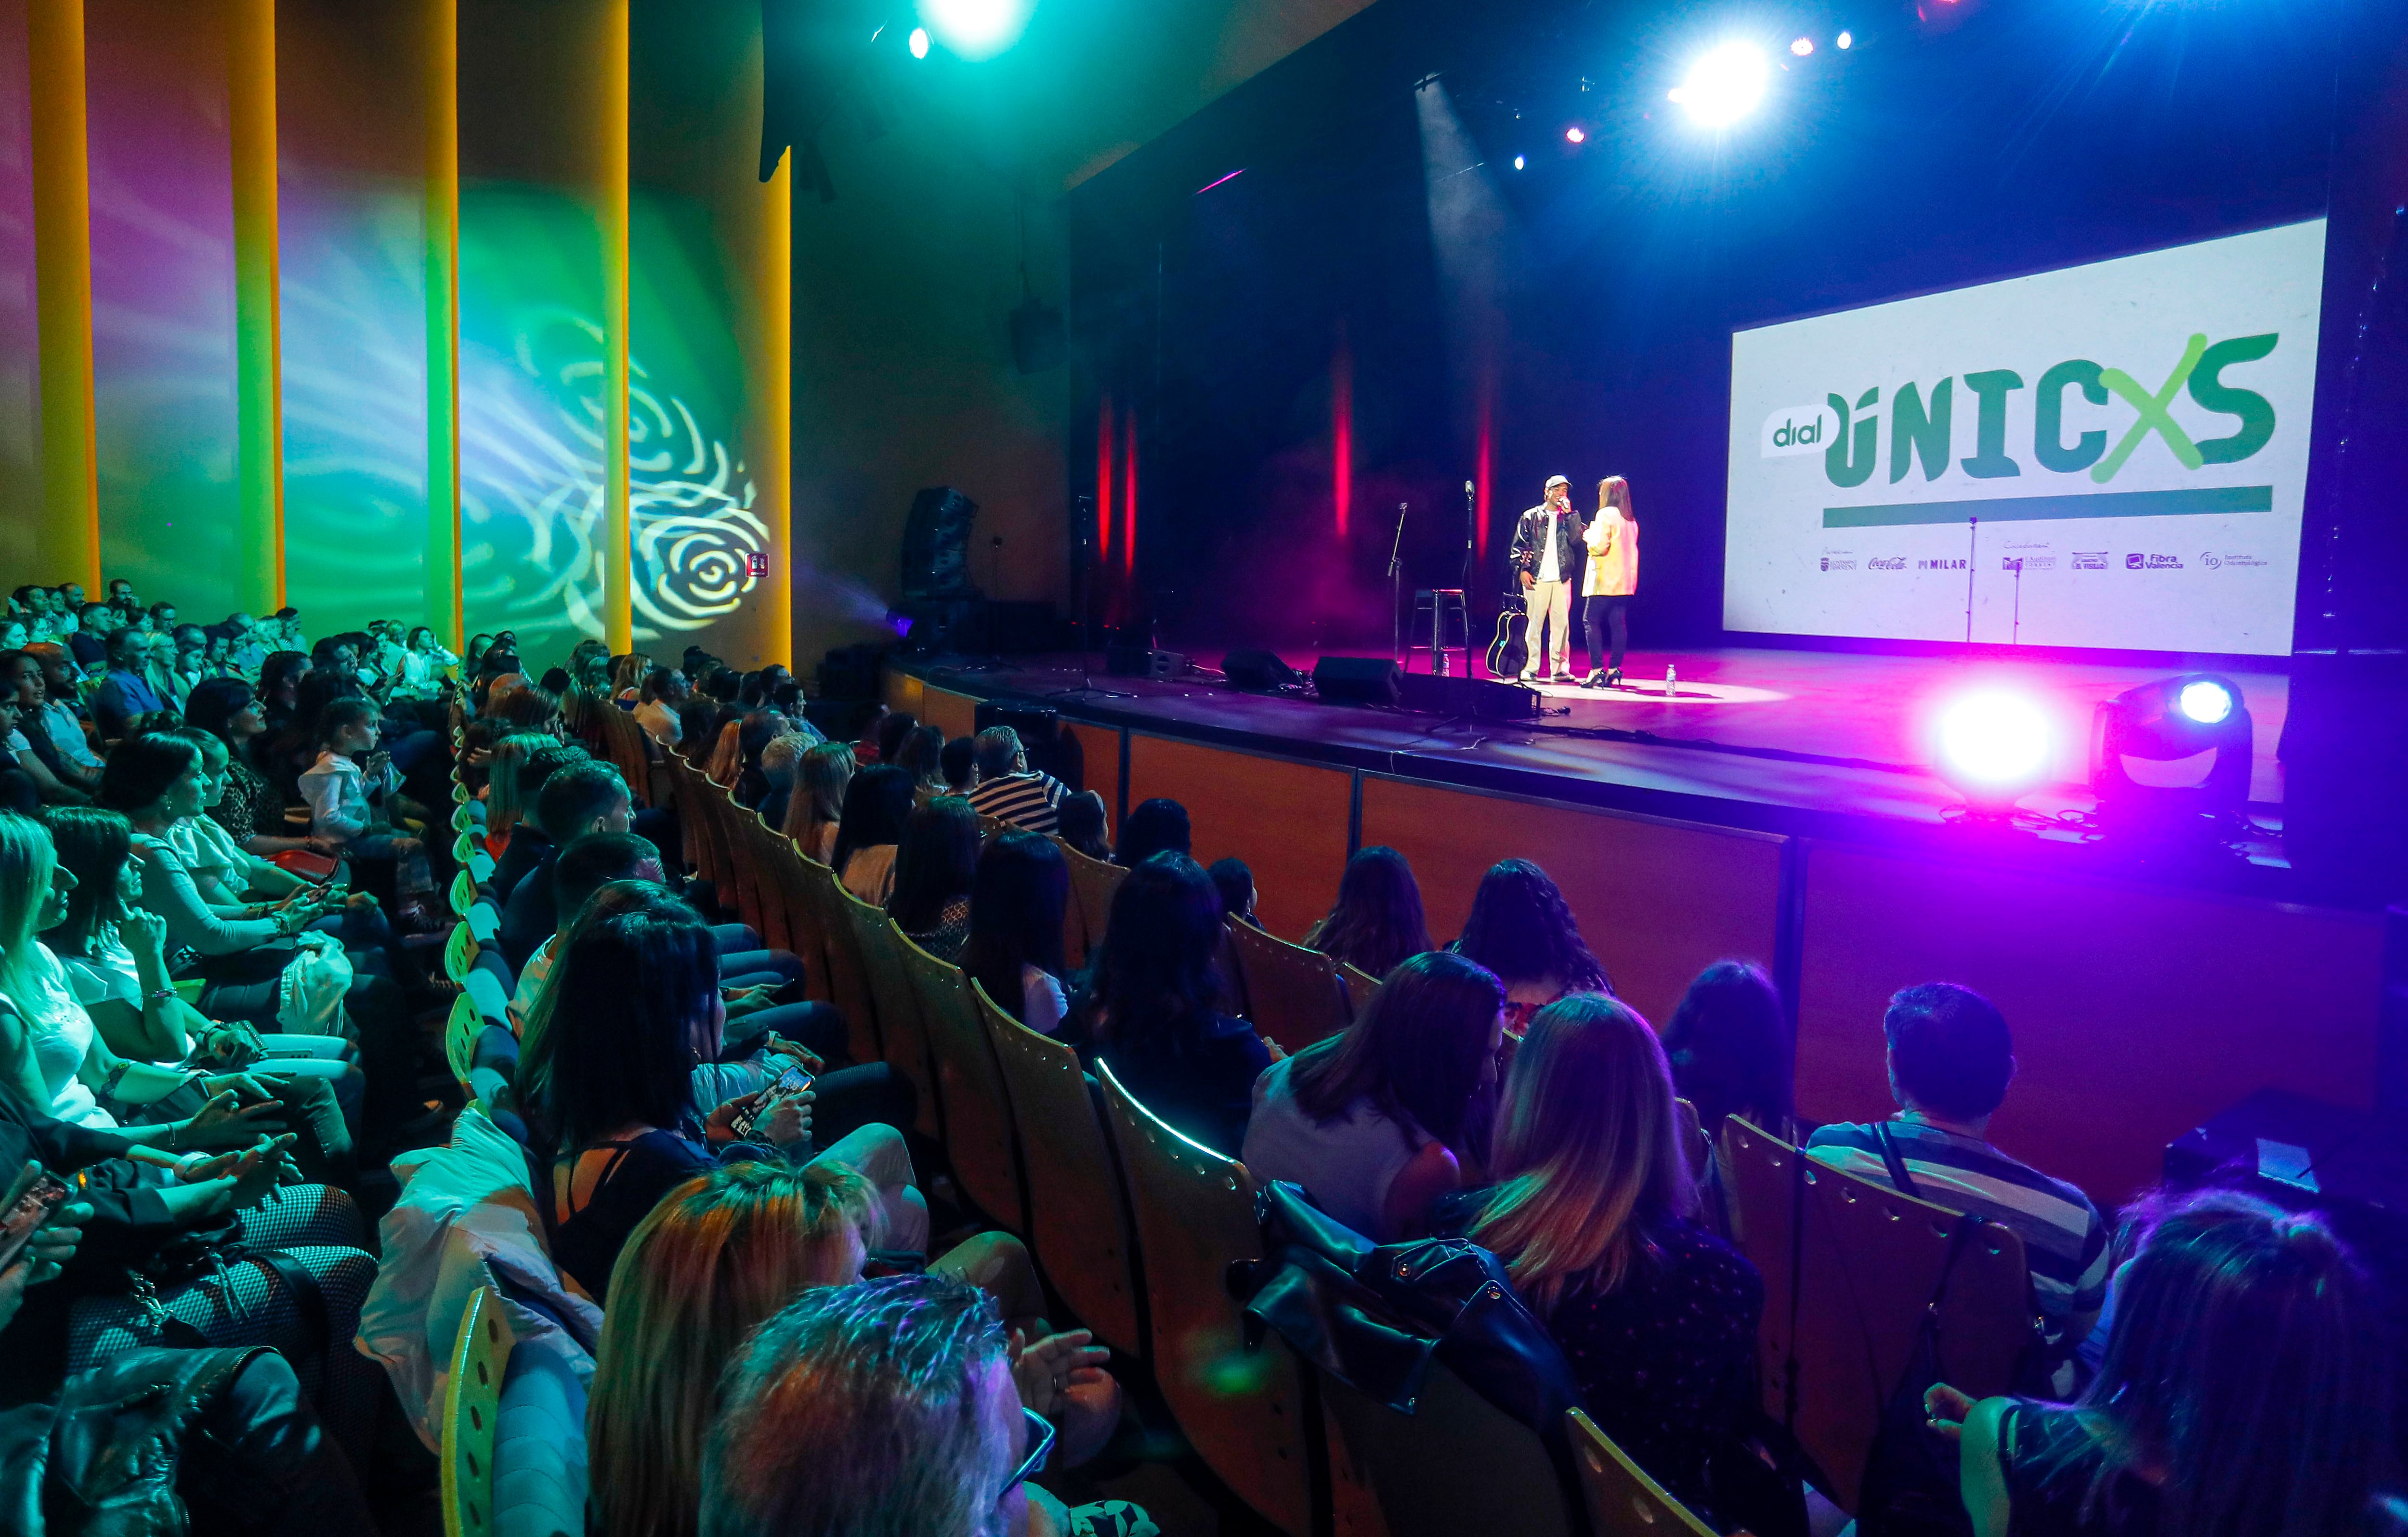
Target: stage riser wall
x,y
2137,1012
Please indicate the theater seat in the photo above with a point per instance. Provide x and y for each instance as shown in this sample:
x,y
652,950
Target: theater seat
x,y
1623,1501
1293,994
979,1138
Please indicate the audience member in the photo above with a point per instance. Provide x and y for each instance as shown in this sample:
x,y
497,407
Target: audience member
x,y
351,791
1158,826
2237,1394
1592,1213
887,733
1378,1122
1014,948
53,730
876,803
60,713
125,692
1008,789
1378,922
921,754
1729,1042
1521,929
1236,884
816,806
1950,1062
1086,825
959,763
528,847
581,798
753,738
664,690
251,809
935,868
779,761
1149,1006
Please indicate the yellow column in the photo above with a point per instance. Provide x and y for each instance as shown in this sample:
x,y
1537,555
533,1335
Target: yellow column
x,y
251,99
441,85
770,361
67,544
611,214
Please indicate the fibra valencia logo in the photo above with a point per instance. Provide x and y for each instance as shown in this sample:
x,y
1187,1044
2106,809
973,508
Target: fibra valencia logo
x,y
1913,428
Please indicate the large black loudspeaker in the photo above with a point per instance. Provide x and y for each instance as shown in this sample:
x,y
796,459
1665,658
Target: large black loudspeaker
x,y
1257,670
937,545
1358,680
1050,749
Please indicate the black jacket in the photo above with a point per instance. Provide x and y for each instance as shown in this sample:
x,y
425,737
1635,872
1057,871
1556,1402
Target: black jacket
x,y
1530,541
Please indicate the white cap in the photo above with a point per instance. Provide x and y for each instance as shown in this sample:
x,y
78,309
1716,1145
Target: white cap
x,y
1554,480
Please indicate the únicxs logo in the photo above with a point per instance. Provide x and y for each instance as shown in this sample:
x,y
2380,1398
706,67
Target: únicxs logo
x,y
1798,430
1922,422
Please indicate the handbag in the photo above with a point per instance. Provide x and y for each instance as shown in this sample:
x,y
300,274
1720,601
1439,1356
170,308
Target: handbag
x,y
309,996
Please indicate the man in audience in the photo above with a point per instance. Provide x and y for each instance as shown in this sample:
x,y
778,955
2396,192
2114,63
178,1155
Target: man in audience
x,y
60,721
886,1406
162,618
125,693
249,651
582,869
1950,1062
121,595
95,623
664,691
70,597
580,798
534,773
1008,789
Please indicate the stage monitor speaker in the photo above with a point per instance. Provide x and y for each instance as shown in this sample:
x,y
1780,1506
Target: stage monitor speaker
x,y
1358,680
1258,671
1482,698
937,545
1050,749
1140,661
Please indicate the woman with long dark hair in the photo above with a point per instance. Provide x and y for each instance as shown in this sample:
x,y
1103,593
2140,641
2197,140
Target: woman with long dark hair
x,y
1731,1050
816,806
2241,1394
1377,1122
251,810
877,804
1521,929
1149,1006
1592,1213
935,867
1014,950
1378,919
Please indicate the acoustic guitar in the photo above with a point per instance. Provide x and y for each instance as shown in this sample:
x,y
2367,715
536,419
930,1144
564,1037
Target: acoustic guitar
x,y
1509,652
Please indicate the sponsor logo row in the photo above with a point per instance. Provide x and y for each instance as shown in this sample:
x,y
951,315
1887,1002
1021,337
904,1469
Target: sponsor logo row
x,y
2079,559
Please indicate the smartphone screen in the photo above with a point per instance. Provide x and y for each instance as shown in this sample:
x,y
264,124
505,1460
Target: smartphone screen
x,y
791,1081
27,1213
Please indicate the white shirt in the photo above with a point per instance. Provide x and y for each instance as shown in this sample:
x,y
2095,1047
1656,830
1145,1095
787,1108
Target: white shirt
x,y
1550,569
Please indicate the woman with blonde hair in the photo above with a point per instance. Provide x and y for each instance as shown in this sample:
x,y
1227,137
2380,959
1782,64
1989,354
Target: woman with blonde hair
x,y
1611,579
724,1252
816,804
627,675
1591,1212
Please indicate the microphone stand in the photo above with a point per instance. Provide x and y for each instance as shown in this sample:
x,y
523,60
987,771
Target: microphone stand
x,y
1471,528
1397,588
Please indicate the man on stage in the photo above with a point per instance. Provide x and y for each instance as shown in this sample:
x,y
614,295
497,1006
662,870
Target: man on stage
x,y
1546,545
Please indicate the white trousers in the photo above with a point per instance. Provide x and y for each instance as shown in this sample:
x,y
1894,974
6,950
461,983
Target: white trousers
x,y
1549,604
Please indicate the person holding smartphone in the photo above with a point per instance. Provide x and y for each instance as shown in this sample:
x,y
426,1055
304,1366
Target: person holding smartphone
x,y
349,790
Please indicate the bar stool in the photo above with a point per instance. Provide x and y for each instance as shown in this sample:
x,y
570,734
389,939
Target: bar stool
x,y
1439,615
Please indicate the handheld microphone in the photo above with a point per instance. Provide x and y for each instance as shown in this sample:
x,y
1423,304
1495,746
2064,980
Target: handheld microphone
x,y
1468,488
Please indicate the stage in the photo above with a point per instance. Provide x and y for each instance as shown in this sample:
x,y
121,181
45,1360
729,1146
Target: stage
x,y
1821,743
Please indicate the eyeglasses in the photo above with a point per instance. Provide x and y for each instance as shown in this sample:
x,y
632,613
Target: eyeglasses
x,y
1040,1447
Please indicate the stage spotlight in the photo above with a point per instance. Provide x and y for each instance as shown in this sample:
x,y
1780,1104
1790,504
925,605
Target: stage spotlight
x,y
1845,39
1993,749
975,29
1517,163
919,42
1802,46
1723,85
2165,722
1576,134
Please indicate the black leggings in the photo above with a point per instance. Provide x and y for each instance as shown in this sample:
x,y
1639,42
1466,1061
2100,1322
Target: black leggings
x,y
1602,612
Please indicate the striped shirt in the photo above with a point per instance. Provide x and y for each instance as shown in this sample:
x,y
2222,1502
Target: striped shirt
x,y
1031,800
2065,1239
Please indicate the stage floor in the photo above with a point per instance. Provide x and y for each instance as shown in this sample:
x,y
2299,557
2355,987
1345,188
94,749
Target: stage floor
x,y
1819,743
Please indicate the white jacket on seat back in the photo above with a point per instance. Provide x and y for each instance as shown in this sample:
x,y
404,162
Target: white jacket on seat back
x,y
337,791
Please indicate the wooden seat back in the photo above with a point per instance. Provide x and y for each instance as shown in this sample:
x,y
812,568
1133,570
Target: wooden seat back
x,y
1855,1264
1360,987
1092,885
975,1110
1623,1501
1240,1408
875,942
1078,1212
1293,993
472,1413
1457,1464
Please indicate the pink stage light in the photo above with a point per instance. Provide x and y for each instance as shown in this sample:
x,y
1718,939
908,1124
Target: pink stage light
x,y
1104,483
1128,498
1484,461
1993,747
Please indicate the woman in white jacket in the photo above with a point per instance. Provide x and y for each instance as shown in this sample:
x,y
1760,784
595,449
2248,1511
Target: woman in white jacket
x,y
423,664
1611,580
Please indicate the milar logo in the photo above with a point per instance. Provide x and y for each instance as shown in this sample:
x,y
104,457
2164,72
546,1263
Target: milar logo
x,y
1798,430
1922,421
1940,566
